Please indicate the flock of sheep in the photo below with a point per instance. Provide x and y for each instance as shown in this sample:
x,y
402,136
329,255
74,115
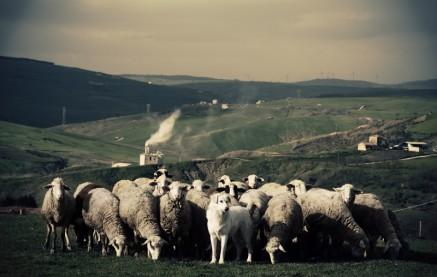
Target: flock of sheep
x,y
170,218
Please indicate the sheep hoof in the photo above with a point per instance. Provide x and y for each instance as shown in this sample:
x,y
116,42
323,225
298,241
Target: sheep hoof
x,y
221,262
213,262
52,251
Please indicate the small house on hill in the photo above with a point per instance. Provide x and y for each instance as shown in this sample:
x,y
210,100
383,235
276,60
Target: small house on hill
x,y
375,142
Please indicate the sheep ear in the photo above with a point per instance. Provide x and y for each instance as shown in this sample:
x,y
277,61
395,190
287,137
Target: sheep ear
x,y
220,189
289,186
259,179
337,189
357,191
221,181
48,186
241,190
227,189
206,187
146,242
153,183
282,248
169,176
245,179
66,187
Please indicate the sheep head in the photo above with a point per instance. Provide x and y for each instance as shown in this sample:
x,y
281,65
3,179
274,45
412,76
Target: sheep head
x,y
58,188
161,184
253,181
348,192
199,185
297,186
119,244
177,191
272,247
154,246
360,248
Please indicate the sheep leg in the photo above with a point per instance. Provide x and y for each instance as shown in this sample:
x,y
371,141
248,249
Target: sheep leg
x,y
52,250
67,239
63,238
104,244
90,240
47,241
249,246
213,249
223,242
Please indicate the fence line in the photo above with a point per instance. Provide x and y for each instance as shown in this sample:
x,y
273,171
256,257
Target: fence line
x,y
415,206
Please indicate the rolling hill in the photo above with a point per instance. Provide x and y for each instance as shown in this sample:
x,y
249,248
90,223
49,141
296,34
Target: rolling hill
x,y
27,150
34,92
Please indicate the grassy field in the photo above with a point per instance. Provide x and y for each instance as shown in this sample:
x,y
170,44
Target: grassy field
x,y
21,254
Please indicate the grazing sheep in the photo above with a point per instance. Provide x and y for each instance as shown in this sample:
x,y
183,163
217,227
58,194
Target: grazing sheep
x,y
80,228
100,212
199,235
253,181
283,221
139,209
58,209
175,215
199,185
325,211
273,189
373,217
226,221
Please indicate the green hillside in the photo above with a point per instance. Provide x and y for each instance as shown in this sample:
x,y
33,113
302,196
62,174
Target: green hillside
x,y
28,150
207,132
34,92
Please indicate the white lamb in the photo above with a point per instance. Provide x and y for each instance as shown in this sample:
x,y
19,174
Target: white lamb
x,y
58,209
226,221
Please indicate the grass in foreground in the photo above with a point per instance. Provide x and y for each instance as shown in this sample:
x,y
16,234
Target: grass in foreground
x,y
21,255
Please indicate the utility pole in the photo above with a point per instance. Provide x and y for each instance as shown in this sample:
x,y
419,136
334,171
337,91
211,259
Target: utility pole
x,y
64,115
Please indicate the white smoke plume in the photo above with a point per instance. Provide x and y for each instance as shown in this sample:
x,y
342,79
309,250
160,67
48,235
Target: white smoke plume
x,y
165,130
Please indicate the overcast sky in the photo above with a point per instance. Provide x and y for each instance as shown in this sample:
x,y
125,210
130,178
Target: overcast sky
x,y
380,40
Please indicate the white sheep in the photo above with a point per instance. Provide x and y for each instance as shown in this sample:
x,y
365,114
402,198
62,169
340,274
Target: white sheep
x,y
253,181
139,209
325,211
175,215
58,209
283,221
369,212
100,211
